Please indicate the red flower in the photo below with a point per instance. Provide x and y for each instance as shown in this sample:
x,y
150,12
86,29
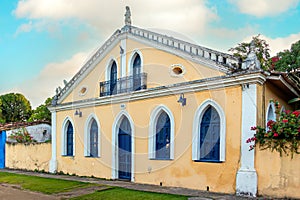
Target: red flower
x,y
287,111
285,121
270,123
275,135
253,128
296,113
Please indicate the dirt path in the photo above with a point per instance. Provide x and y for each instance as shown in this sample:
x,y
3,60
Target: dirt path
x,y
13,192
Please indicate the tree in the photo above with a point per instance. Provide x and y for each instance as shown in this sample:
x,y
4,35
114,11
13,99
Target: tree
x,y
1,117
261,50
288,60
42,112
15,107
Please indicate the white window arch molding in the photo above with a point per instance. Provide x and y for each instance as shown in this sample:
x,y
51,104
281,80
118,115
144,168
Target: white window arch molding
x,y
87,128
152,131
108,68
271,115
65,124
197,127
115,145
282,109
131,59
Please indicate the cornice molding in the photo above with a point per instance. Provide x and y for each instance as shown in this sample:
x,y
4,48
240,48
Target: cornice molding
x,y
186,87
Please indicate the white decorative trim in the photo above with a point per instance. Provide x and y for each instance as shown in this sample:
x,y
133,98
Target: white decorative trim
x,y
91,63
246,178
108,68
175,51
131,59
64,136
289,86
53,161
87,127
152,131
196,129
282,109
193,86
270,114
173,74
115,131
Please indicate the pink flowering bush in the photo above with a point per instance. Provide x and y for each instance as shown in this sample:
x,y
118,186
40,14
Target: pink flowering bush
x,y
21,136
282,135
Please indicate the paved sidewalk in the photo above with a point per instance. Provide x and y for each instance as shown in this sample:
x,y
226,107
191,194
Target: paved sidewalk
x,y
194,194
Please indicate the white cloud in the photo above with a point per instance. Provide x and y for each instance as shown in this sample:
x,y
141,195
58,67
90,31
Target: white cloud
x,y
279,44
37,90
106,16
261,8
24,28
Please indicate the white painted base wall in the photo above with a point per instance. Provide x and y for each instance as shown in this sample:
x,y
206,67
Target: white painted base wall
x,y
246,181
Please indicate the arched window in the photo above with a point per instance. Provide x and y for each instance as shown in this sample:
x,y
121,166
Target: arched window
x,y
162,142
94,139
210,135
270,114
113,78
161,134
124,142
136,73
69,139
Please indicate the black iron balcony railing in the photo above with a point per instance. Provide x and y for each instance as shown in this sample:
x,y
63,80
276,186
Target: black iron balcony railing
x,y
123,85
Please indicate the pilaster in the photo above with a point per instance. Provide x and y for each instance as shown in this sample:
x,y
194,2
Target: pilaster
x,y
123,54
53,161
246,178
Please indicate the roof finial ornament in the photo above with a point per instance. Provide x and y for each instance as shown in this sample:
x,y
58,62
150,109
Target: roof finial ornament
x,y
251,62
128,16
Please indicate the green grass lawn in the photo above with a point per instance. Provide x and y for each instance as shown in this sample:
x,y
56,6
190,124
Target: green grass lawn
x,y
121,193
53,186
40,184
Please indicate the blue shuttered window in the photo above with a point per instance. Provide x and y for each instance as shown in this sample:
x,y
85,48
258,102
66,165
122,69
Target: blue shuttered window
x,y
162,142
210,135
113,79
70,139
137,73
94,139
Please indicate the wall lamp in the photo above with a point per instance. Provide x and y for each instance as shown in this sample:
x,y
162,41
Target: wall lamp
x,y
182,100
78,112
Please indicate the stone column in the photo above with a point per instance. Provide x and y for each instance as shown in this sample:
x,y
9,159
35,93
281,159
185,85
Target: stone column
x,y
53,161
246,178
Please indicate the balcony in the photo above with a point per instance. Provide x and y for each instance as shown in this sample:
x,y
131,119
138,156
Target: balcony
x,y
123,85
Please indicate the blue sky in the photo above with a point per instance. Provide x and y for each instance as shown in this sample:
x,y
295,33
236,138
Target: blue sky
x,y
43,42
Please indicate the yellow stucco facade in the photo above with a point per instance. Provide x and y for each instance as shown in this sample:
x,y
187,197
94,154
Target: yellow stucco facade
x,y
34,156
204,84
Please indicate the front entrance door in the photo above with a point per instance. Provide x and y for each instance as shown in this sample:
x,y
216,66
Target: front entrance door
x,y
124,141
2,149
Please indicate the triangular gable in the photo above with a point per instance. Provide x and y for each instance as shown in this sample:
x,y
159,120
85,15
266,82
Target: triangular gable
x,y
213,59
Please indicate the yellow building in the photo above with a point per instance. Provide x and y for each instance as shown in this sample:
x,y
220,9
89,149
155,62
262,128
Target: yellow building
x,y
154,109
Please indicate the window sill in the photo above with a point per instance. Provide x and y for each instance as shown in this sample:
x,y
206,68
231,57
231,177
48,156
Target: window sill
x,y
68,156
209,161
92,156
162,159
